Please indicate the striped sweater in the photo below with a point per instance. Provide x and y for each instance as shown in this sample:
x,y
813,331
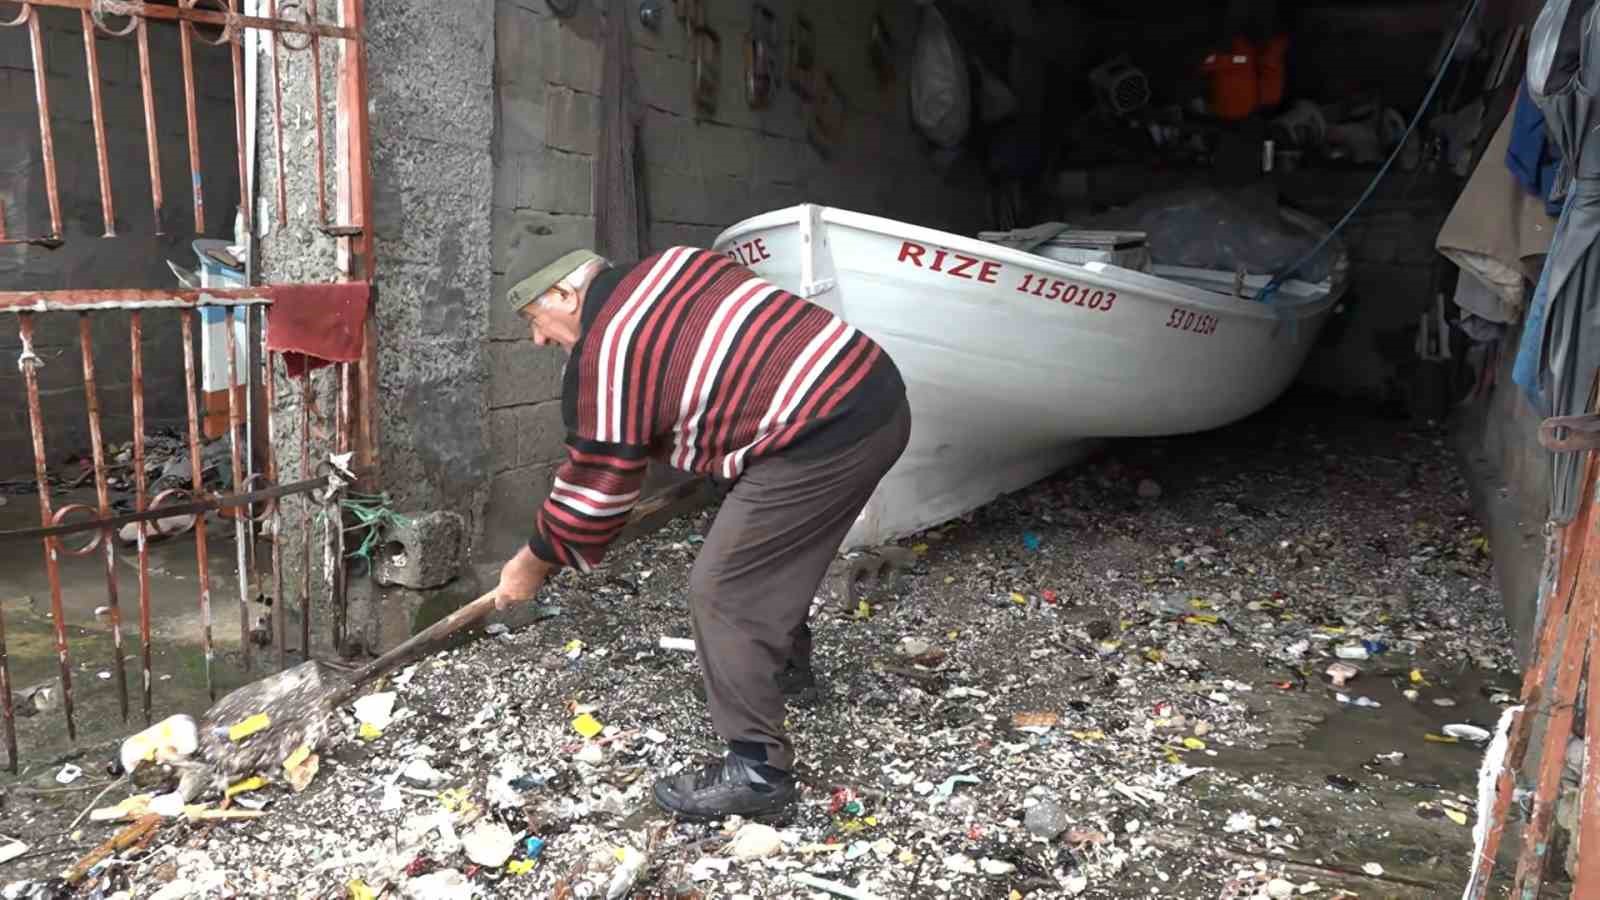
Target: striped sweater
x,y
693,360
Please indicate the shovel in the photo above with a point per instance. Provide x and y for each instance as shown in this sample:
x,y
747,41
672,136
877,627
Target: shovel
x,y
292,708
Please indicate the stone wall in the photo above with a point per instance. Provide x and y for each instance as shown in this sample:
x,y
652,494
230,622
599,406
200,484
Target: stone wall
x,y
138,256
703,172
430,69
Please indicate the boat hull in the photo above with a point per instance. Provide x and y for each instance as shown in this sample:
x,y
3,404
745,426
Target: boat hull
x,y
1014,364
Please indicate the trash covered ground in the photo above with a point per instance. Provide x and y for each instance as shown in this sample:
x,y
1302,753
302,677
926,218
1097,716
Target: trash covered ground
x,y
1112,684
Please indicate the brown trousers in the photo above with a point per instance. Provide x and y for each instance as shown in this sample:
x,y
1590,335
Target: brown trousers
x,y
760,567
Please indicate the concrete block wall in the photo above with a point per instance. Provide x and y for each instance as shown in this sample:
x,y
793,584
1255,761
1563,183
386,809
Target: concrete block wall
x,y
430,75
137,256
702,173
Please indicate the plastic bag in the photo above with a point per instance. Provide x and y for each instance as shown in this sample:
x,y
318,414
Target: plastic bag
x,y
941,92
1212,229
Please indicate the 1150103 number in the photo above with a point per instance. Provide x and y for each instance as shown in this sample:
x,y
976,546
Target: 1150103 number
x,y
1067,293
1189,320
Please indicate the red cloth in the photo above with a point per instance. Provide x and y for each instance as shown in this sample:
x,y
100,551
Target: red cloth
x,y
316,325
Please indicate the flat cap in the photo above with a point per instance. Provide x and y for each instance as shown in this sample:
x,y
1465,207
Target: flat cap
x,y
534,286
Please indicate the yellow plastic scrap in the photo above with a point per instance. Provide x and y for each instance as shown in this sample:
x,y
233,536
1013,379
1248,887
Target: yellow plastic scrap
x,y
953,634
1194,743
573,647
919,549
294,759
906,857
1417,678
454,799
1441,738
253,783
1089,735
587,726
358,890
1199,603
1333,629
872,821
1201,620
369,732
248,727
863,610
1155,655
1018,599
521,866
1456,816
1014,895
1172,756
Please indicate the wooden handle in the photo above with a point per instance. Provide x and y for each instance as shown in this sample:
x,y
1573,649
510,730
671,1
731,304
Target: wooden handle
x,y
420,641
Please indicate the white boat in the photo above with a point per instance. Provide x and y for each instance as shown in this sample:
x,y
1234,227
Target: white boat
x,y
1015,364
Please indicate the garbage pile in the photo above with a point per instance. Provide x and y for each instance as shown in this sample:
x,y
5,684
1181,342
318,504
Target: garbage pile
x,y
1183,671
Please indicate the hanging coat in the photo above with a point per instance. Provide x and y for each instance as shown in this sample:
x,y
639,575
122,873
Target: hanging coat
x,y
1564,80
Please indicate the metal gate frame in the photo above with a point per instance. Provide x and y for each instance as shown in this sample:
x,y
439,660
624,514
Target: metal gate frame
x,y
293,26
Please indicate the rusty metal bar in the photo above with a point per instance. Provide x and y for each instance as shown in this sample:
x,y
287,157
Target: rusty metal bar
x,y
198,480
240,530
102,490
356,186
1586,881
186,46
236,48
136,340
218,18
161,510
277,122
280,609
7,706
29,364
305,472
47,141
152,138
1558,728
81,300
339,575
108,212
316,106
1569,552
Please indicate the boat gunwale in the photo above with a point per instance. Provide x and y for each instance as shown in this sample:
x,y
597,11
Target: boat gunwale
x,y
1153,287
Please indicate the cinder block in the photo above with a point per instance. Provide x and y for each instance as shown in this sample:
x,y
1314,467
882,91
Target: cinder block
x,y
571,57
502,440
510,177
572,121
520,372
665,143
504,325
541,433
520,120
514,500
728,200
665,82
560,183
678,197
526,241
516,43
423,551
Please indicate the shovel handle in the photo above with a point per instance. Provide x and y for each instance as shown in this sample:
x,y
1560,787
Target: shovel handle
x,y
421,641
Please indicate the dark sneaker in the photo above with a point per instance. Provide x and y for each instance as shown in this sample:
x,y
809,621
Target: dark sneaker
x,y
733,787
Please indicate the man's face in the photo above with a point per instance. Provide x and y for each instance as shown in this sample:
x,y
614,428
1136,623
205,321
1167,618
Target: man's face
x,y
552,317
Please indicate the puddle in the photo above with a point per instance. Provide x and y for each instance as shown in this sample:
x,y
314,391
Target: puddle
x,y
1350,737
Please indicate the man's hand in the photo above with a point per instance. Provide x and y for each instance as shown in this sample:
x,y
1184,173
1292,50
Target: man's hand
x,y
520,579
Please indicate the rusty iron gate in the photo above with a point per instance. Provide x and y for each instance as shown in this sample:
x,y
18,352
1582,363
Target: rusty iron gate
x,y
291,26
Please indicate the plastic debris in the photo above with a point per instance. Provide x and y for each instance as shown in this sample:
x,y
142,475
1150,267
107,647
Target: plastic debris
x,y
1031,541
1373,869
1046,819
708,867
420,773
1341,672
445,884
249,726
170,740
1280,889
68,774
489,844
1352,651
11,850
681,645
754,840
357,889
253,783
630,863
1468,733
301,768
376,710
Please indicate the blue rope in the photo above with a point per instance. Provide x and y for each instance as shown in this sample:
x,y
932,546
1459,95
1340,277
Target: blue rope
x,y
1266,294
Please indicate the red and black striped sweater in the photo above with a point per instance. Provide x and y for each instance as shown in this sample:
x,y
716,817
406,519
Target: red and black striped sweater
x,y
694,360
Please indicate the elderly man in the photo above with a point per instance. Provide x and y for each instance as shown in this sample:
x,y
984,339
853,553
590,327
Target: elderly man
x,y
694,360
